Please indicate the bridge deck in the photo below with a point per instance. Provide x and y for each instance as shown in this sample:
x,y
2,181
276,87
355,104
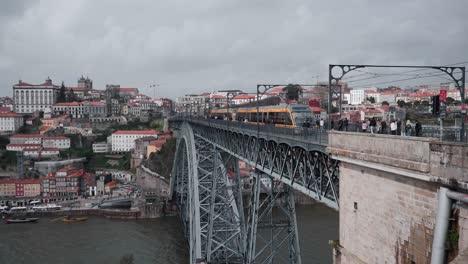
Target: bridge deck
x,y
308,138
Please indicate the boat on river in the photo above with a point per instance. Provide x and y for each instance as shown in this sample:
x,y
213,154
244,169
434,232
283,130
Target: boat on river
x,y
20,220
74,219
116,204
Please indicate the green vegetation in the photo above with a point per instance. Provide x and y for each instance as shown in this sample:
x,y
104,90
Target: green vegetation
x,y
127,259
77,153
161,162
371,99
7,159
105,162
385,103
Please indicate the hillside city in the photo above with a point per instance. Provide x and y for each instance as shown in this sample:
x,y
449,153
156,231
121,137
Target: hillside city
x,y
75,144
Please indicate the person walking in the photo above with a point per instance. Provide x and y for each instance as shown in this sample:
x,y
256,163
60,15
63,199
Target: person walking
x,y
372,125
322,123
340,124
384,127
408,128
399,130
417,128
393,127
379,126
364,126
346,123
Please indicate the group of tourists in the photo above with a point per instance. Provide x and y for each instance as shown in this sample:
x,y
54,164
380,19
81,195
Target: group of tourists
x,y
397,127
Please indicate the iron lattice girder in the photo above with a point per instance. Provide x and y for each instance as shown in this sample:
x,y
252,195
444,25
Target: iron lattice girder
x,y
269,238
310,171
207,204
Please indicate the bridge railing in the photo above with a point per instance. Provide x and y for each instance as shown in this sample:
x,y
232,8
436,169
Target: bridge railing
x,y
310,135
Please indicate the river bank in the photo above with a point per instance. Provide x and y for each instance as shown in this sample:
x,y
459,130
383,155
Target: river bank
x,y
107,213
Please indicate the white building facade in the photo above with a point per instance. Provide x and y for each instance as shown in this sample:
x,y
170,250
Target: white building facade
x,y
124,140
357,96
10,122
29,98
59,142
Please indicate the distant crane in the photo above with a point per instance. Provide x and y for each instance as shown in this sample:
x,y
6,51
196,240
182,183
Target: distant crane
x,y
154,88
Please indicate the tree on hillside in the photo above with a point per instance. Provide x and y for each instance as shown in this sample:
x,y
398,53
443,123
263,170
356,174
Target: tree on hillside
x,y
293,91
385,103
71,97
62,96
401,103
371,99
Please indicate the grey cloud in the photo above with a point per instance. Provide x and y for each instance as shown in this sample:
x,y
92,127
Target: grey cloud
x,y
195,46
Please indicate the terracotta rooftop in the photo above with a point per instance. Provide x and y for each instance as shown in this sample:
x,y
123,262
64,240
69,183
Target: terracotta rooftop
x,y
136,132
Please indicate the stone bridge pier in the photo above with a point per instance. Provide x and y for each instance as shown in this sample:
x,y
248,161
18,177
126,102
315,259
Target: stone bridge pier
x,y
389,191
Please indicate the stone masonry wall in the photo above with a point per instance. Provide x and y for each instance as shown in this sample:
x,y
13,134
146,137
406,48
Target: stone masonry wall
x,y
394,182
394,219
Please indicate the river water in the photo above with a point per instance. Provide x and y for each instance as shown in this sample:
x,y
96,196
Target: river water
x,y
101,240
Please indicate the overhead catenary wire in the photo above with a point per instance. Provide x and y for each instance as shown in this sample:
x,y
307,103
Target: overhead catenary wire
x,y
407,79
379,75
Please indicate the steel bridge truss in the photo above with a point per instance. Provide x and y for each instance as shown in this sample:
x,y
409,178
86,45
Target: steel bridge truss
x,y
310,171
207,203
211,206
272,235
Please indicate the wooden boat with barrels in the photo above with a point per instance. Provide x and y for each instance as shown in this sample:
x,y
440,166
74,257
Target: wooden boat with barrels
x,y
20,220
74,219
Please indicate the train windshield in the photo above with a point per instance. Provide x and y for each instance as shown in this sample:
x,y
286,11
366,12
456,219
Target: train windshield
x,y
300,114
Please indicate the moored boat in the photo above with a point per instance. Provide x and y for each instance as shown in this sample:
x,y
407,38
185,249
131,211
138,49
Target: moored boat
x,y
116,204
20,221
74,219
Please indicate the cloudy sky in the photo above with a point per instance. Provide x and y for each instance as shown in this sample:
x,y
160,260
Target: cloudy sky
x,y
194,46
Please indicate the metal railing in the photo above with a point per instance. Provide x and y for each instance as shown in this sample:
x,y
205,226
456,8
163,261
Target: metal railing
x,y
308,135
319,136
449,134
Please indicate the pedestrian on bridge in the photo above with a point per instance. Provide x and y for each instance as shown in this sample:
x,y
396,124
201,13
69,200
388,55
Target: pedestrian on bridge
x,y
408,128
322,123
393,127
399,130
340,124
384,127
364,126
372,125
346,123
417,128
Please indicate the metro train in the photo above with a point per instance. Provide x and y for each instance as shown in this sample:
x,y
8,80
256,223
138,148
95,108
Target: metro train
x,y
282,115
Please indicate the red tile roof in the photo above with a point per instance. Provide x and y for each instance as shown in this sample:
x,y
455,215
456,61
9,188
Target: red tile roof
x,y
11,114
217,96
158,143
23,145
55,138
137,132
244,96
128,89
68,104
26,136
21,83
21,181
67,169
76,174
